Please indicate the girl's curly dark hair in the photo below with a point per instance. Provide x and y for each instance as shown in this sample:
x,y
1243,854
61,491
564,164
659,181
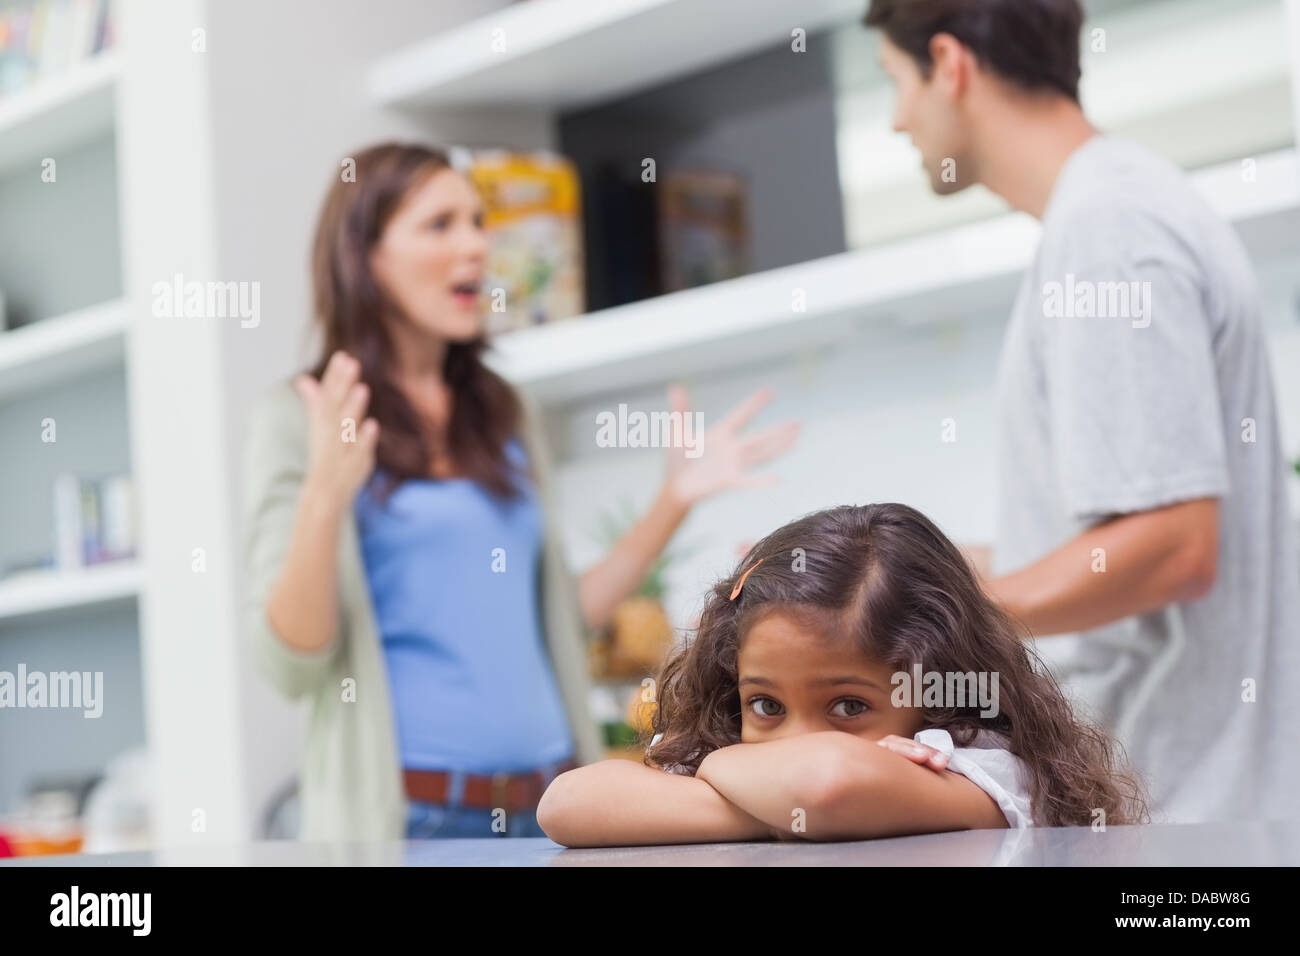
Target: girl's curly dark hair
x,y
887,577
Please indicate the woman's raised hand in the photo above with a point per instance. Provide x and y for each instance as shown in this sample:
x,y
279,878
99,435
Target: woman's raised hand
x,y
724,455
341,452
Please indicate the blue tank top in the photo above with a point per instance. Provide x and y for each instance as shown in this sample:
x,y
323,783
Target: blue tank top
x,y
453,576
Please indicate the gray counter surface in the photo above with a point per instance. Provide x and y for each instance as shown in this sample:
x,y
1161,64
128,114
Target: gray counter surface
x,y
1210,844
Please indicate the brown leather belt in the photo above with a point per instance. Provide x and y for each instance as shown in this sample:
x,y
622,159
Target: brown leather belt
x,y
510,791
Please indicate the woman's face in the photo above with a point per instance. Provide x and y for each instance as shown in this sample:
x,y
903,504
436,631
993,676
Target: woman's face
x,y
429,259
793,681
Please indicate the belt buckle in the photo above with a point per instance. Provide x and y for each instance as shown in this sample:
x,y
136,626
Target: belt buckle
x,y
500,790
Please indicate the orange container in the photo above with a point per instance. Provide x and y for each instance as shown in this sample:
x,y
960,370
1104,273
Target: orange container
x,y
44,844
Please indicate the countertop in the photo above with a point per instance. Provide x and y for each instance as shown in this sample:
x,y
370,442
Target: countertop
x,y
1211,844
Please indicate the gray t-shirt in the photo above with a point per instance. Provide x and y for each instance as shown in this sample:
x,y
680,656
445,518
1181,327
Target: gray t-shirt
x,y
1134,375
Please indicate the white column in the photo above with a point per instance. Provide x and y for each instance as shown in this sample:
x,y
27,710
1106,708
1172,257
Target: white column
x,y
178,434
1293,59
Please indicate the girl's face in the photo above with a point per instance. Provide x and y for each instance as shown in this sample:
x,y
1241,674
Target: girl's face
x,y
793,681
430,258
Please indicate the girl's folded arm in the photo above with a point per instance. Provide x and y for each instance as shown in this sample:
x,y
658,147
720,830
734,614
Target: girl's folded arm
x,y
836,786
623,803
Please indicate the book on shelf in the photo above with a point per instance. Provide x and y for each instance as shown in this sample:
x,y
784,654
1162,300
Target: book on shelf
x,y
40,38
704,228
94,520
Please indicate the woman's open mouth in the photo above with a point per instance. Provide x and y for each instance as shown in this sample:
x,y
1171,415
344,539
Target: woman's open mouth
x,y
465,293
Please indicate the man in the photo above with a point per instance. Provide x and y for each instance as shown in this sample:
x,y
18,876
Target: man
x,y
1142,503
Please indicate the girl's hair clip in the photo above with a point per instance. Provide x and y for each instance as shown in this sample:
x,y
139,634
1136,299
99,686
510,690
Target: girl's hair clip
x,y
741,583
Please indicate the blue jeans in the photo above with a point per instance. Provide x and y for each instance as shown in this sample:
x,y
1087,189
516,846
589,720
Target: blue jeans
x,y
453,821
438,821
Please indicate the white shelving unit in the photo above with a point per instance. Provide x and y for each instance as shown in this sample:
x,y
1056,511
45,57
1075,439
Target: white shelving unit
x,y
37,592
56,350
956,271
74,118
58,112
563,54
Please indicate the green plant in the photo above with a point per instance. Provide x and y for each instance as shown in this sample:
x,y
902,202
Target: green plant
x,y
619,734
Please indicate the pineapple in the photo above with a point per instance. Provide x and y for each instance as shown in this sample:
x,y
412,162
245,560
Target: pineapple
x,y
640,634
640,712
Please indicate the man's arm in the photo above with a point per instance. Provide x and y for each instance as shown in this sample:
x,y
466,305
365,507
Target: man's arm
x,y
1136,421
1150,559
837,786
622,803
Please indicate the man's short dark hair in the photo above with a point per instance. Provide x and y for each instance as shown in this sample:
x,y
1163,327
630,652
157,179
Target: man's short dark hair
x,y
1033,44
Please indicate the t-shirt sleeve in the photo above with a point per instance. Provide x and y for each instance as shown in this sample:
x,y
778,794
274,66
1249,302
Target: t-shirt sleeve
x,y
671,768
998,772
1132,397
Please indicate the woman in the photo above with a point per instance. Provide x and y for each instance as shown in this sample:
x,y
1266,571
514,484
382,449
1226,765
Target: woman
x,y
406,567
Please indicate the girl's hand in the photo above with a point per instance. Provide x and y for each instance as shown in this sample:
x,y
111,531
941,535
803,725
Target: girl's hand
x,y
340,458
916,752
725,456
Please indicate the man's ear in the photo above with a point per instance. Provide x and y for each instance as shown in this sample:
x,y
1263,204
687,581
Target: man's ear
x,y
952,64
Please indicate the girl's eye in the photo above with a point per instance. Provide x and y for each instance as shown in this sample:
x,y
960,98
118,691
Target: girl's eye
x,y
441,223
851,703
757,704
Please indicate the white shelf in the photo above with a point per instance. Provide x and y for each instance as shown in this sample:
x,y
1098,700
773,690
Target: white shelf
x,y
753,318
53,350
38,592
955,272
565,54
58,112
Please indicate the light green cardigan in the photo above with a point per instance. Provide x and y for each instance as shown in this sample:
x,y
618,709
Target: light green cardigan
x,y
350,786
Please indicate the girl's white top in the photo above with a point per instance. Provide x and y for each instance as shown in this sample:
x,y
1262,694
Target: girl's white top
x,y
991,767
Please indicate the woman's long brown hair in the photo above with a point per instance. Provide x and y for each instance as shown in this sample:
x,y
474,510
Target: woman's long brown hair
x,y
887,578
351,306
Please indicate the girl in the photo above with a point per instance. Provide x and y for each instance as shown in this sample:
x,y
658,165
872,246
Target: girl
x,y
791,714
